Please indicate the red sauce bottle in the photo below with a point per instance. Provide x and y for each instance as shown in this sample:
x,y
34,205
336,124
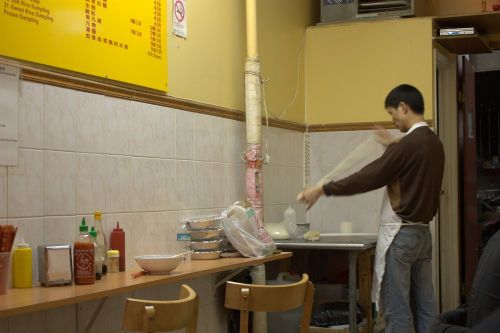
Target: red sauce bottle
x,y
117,242
83,262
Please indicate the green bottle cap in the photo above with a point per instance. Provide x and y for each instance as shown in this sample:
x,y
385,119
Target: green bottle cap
x,y
92,232
84,227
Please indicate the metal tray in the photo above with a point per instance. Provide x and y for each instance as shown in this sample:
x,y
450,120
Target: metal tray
x,y
207,255
200,223
205,234
206,245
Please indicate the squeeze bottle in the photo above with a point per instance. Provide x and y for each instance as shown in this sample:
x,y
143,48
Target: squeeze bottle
x,y
22,266
117,242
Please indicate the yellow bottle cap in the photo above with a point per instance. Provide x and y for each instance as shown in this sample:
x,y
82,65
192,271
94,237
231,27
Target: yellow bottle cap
x,y
97,215
113,253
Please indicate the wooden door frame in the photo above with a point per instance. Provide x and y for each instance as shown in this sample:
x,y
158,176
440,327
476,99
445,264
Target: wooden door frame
x,y
448,231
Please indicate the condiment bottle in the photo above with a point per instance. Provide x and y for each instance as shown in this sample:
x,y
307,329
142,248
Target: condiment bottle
x,y
290,221
101,241
114,261
22,266
98,256
117,242
83,252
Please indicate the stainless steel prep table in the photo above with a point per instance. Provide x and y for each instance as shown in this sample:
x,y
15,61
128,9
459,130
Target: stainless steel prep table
x,y
353,243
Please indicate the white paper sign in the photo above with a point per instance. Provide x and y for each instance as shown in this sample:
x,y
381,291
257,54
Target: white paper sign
x,y
179,24
9,91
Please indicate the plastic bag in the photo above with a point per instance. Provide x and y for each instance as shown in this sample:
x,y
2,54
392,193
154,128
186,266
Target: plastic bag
x,y
244,231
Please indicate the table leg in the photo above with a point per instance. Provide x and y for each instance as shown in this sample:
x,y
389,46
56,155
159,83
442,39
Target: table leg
x,y
353,323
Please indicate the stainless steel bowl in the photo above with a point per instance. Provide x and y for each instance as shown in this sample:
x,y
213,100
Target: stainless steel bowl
x,y
207,255
206,234
206,245
200,223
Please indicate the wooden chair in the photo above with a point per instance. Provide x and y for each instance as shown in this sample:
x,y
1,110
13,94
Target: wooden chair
x,y
251,297
162,316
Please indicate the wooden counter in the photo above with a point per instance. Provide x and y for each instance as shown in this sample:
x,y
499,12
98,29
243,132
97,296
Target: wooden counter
x,y
19,301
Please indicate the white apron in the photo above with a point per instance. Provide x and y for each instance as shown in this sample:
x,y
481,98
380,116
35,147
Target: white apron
x,y
389,225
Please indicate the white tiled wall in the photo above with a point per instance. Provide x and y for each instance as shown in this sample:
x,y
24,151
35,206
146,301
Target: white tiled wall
x,y
142,165
327,150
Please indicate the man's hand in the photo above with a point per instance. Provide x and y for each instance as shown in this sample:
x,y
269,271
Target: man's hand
x,y
311,195
383,136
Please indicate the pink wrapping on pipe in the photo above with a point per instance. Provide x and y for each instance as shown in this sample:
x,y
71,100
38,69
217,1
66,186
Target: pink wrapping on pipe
x,y
254,182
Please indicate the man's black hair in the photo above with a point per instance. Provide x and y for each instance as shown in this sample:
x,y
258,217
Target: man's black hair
x,y
407,94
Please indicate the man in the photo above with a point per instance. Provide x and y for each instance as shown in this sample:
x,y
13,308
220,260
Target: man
x,y
412,170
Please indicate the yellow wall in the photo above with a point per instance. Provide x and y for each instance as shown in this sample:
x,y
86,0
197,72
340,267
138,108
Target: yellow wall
x,y
351,67
208,66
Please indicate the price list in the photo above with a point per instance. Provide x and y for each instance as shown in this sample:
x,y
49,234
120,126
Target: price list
x,y
105,38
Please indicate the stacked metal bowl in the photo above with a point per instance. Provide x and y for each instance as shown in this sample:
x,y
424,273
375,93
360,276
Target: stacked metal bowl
x,y
207,237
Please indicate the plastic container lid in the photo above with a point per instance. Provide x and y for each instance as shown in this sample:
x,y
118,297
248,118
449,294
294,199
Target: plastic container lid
x,y
113,253
23,245
92,232
84,227
97,215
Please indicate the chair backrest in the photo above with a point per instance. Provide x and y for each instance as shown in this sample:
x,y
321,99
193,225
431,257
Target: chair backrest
x,y
162,316
251,297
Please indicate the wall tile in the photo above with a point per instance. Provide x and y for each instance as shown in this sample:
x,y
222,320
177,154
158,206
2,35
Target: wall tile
x,y
165,185
60,183
3,192
184,135
91,183
236,140
118,184
142,129
60,118
114,308
61,319
60,230
4,325
210,138
31,115
185,184
91,123
85,312
125,221
25,189
165,236
144,234
143,184
203,194
221,185
237,190
165,132
33,322
117,125
30,230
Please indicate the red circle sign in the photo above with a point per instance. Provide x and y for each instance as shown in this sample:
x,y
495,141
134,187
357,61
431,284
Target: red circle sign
x,y
179,11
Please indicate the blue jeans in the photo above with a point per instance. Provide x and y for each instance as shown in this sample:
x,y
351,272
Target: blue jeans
x,y
407,295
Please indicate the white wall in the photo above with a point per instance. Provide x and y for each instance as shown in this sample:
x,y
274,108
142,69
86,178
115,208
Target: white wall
x,y
144,165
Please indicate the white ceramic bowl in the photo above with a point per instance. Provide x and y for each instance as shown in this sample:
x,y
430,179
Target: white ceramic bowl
x,y
158,263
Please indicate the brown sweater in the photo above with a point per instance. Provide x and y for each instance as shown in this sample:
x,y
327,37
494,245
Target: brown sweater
x,y
412,169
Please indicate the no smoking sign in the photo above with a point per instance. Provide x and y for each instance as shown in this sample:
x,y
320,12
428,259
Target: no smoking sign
x,y
179,18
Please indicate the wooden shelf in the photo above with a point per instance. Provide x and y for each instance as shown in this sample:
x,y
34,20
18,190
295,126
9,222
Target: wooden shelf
x,y
464,44
486,24
19,301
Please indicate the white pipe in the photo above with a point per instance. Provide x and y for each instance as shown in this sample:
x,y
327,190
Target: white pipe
x,y
258,275
253,154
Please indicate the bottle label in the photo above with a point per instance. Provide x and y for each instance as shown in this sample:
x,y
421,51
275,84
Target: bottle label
x,y
84,262
183,237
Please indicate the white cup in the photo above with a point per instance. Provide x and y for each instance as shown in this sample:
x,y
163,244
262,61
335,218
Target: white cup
x,y
346,227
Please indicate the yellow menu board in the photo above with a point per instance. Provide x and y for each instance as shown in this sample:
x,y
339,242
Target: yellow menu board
x,y
123,40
